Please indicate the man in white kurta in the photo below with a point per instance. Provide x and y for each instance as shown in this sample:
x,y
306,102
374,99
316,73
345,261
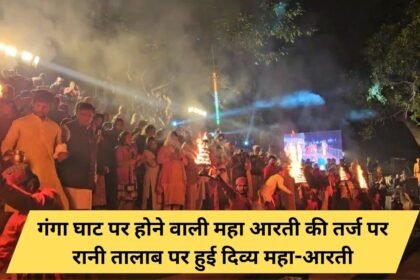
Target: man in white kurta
x,y
37,136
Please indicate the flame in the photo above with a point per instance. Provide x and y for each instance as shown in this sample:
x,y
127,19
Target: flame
x,y
1,91
203,156
294,152
342,173
360,177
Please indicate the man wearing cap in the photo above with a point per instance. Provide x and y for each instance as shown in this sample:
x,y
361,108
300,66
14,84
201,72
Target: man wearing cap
x,y
37,136
19,187
237,195
238,200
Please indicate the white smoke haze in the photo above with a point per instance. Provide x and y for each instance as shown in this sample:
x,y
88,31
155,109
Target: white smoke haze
x,y
146,44
133,42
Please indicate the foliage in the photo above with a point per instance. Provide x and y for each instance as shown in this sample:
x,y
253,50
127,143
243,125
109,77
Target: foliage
x,y
393,55
264,33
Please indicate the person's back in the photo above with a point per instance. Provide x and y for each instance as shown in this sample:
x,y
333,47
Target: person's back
x,y
19,188
109,145
108,160
46,199
140,141
277,181
257,165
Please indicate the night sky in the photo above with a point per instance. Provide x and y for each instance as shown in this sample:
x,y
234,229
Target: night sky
x,y
343,30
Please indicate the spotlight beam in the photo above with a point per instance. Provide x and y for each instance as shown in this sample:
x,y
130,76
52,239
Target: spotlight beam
x,y
251,120
99,83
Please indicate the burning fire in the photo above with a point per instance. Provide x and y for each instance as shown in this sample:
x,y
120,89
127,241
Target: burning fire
x,y
342,173
203,156
294,152
361,178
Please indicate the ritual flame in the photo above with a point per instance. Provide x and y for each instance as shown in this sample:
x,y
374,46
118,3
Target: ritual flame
x,y
203,156
1,91
361,178
294,153
342,173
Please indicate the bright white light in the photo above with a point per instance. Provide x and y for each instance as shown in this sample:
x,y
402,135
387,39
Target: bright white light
x,y
197,111
174,123
26,56
36,61
10,51
246,142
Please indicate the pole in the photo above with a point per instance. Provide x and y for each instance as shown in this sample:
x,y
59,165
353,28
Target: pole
x,y
215,91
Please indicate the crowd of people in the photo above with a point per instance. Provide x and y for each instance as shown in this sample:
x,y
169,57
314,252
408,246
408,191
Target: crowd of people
x,y
55,159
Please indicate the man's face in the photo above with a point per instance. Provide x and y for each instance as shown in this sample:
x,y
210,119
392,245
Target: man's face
x,y
257,150
241,187
41,109
85,117
119,126
272,161
152,132
99,122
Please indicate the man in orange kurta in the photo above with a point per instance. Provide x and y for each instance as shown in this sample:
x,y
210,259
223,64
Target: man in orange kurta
x,y
172,179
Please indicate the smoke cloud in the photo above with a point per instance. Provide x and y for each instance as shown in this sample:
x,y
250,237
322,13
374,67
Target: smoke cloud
x,y
163,44
141,44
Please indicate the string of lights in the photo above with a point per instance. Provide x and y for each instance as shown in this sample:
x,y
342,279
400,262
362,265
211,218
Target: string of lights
x,y
25,56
